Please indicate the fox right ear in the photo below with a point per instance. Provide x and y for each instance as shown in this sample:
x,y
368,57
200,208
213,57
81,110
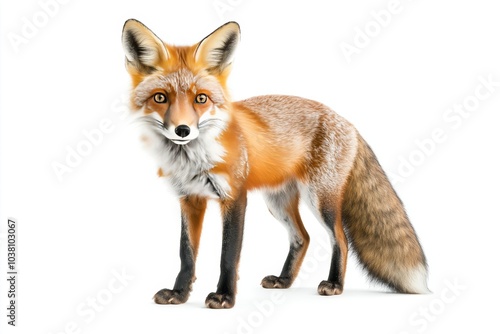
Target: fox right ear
x,y
144,51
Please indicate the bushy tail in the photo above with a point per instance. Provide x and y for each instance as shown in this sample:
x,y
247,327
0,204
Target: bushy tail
x,y
379,229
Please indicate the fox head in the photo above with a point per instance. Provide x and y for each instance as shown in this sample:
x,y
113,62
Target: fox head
x,y
181,90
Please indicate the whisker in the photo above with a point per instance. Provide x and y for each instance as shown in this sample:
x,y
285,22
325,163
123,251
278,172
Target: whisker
x,y
151,121
154,124
211,122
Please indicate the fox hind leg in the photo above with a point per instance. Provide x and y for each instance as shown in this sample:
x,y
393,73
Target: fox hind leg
x,y
327,208
333,224
284,206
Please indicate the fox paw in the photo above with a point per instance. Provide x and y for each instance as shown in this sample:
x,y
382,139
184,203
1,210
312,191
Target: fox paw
x,y
274,282
167,296
327,288
219,300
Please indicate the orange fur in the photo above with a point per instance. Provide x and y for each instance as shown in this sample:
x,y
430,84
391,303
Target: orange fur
x,y
194,208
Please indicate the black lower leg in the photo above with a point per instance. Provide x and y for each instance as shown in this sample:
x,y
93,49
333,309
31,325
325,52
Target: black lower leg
x,y
183,283
335,283
335,275
232,237
185,276
289,271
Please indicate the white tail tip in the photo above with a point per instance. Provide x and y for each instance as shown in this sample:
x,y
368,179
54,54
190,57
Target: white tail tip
x,y
416,280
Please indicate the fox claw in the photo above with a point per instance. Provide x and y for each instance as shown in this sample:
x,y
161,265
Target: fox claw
x,y
167,296
274,282
219,300
327,288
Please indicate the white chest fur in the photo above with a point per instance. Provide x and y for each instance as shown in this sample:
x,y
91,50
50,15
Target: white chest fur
x,y
187,167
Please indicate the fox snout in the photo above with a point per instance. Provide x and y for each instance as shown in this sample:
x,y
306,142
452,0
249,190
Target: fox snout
x,y
181,122
181,134
182,131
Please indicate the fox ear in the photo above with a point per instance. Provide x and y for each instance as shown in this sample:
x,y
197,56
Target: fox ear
x,y
216,50
144,51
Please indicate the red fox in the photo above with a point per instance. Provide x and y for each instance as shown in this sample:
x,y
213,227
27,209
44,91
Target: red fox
x,y
209,147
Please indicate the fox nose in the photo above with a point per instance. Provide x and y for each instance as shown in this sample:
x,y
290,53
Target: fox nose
x,y
182,131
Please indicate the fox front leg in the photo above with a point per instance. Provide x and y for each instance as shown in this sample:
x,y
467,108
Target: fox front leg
x,y
233,215
192,213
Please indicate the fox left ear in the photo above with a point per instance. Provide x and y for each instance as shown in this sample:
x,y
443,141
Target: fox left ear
x,y
216,50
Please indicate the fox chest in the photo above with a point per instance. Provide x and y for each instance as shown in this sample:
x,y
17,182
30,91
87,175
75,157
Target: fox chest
x,y
199,183
188,171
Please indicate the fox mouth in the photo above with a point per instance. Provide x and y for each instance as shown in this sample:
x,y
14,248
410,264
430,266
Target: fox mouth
x,y
158,127
180,141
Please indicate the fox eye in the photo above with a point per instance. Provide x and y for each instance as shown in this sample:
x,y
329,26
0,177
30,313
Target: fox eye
x,y
160,98
201,98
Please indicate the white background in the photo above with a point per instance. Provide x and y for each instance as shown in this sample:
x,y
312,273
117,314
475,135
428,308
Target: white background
x,y
112,214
